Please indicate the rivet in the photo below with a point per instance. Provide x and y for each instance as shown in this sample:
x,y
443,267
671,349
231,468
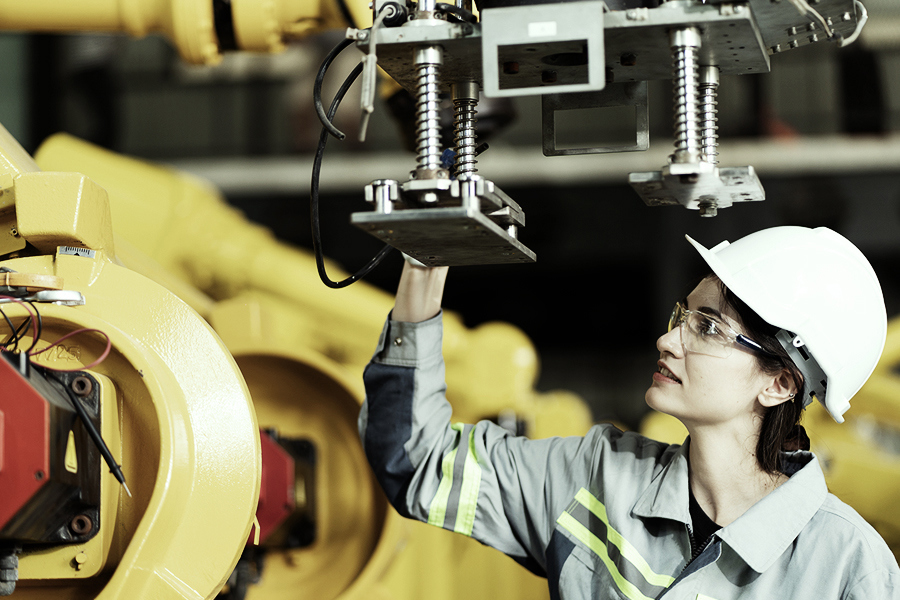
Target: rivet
x,y
398,341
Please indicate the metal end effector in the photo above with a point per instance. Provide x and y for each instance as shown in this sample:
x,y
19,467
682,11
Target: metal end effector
x,y
445,213
706,44
692,177
576,54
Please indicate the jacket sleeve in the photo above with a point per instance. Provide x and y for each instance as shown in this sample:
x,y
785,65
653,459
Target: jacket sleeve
x,y
478,480
882,583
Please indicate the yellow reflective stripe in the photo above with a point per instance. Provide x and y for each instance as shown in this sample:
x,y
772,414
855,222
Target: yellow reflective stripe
x,y
438,509
587,538
625,548
468,495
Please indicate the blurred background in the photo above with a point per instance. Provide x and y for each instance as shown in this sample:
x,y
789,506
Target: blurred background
x,y
822,130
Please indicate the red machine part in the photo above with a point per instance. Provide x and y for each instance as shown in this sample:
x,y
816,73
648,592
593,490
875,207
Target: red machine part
x,y
276,494
24,442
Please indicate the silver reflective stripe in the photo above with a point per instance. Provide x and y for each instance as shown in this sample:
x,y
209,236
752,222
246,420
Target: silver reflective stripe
x,y
454,504
587,521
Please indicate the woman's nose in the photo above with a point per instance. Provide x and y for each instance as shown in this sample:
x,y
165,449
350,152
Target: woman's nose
x,y
671,342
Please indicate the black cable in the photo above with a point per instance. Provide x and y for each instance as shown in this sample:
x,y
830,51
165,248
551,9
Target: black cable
x,y
314,197
40,329
345,12
13,333
460,13
317,89
21,330
95,436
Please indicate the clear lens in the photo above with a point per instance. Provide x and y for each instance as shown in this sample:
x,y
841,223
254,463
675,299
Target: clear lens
x,y
701,333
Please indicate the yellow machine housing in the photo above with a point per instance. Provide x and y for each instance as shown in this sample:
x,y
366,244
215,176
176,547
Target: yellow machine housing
x,y
178,413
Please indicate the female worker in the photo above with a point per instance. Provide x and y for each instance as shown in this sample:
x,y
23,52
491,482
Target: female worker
x,y
788,314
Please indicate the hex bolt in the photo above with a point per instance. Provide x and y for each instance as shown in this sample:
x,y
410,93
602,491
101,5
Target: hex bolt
x,y
708,208
82,386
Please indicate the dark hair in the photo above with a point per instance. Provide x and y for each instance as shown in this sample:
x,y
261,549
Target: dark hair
x,y
781,429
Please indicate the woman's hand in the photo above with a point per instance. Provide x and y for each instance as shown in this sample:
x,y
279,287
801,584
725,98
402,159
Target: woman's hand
x,y
419,293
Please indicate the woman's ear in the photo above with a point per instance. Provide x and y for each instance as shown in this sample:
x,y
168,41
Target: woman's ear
x,y
780,389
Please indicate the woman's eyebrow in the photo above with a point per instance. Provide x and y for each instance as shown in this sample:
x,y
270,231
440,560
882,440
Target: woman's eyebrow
x,y
712,311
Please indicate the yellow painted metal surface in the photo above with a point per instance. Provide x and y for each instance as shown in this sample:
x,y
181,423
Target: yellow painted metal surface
x,y
302,348
188,24
259,25
78,214
184,226
183,422
364,549
189,444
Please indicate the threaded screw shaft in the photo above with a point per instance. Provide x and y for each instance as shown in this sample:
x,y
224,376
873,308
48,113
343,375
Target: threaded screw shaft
x,y
428,127
709,121
685,44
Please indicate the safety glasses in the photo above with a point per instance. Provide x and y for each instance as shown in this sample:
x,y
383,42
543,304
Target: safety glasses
x,y
702,333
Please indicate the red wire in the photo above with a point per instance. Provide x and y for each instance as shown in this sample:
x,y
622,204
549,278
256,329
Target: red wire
x,y
99,360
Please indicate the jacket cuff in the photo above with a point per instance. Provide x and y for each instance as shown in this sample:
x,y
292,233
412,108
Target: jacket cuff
x,y
410,344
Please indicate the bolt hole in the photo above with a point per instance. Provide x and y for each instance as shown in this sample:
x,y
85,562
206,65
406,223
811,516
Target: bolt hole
x,y
81,525
39,475
81,385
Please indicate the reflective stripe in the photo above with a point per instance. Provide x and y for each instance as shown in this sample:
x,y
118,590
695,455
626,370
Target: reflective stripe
x,y
628,551
454,504
702,597
590,540
468,496
586,519
438,509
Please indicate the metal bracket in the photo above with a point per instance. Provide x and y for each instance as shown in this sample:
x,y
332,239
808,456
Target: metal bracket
x,y
527,49
615,94
698,186
451,236
465,221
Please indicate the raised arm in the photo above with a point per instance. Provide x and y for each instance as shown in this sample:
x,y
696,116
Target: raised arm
x,y
419,293
477,480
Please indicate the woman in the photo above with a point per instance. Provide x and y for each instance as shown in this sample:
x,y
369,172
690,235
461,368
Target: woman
x,y
789,314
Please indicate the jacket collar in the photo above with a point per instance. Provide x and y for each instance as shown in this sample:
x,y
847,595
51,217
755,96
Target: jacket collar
x,y
667,495
782,514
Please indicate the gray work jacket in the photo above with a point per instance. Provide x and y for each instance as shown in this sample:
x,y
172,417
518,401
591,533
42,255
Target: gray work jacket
x,y
604,515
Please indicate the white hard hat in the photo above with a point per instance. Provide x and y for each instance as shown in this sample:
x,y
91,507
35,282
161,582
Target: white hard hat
x,y
821,291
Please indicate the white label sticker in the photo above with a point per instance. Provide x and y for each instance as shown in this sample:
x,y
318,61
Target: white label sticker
x,y
542,29
77,251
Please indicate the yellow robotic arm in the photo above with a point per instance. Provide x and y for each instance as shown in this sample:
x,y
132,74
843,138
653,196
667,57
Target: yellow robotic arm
x,y
201,30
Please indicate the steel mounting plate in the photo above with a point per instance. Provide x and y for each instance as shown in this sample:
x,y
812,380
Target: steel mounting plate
x,y
717,188
451,236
